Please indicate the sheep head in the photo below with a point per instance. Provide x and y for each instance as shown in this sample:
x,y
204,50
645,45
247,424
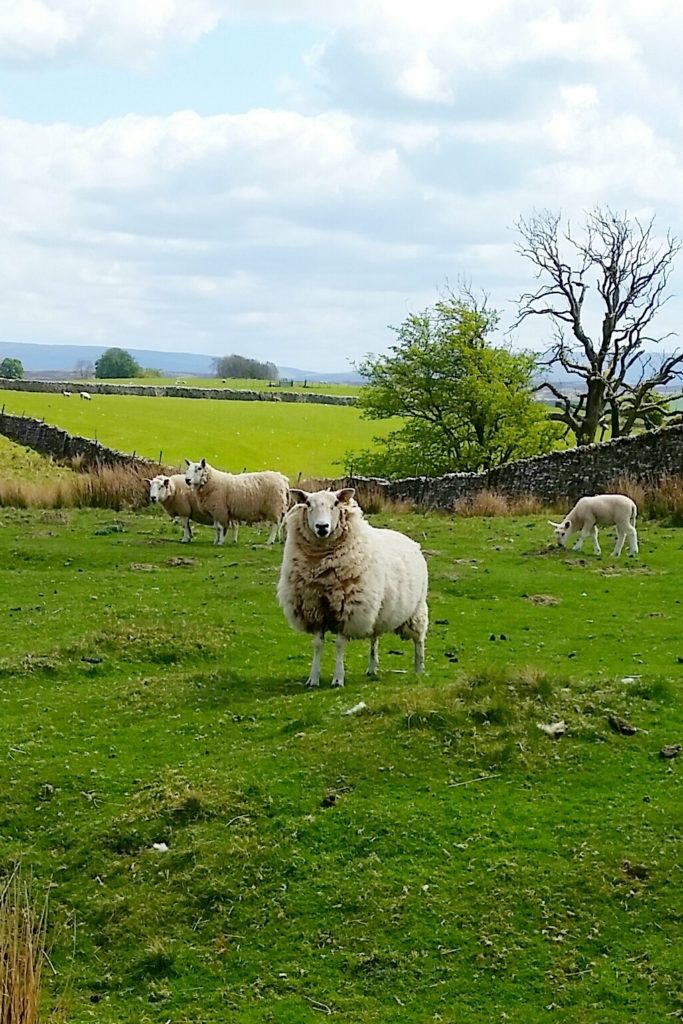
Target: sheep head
x,y
323,510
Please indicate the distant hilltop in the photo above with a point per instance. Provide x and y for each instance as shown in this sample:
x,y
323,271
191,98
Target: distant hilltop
x,y
56,361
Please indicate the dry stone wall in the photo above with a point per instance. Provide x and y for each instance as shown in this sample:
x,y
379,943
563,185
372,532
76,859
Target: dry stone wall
x,y
645,458
63,446
176,391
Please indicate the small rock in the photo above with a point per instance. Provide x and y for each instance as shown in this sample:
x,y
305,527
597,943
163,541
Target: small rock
x,y
160,847
621,726
356,709
635,870
671,751
554,729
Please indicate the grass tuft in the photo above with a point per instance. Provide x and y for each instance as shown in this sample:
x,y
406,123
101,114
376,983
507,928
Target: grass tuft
x,y
22,952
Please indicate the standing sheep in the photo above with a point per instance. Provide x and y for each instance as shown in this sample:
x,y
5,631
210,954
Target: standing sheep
x,y
179,500
234,498
600,510
343,576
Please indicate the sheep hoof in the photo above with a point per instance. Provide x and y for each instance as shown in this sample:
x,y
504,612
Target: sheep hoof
x,y
312,684
337,683
371,673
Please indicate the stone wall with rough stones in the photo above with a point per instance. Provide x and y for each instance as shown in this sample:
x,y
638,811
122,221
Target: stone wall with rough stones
x,y
176,391
61,445
644,458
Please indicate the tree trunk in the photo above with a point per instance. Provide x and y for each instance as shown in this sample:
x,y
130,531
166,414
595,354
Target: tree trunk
x,y
595,403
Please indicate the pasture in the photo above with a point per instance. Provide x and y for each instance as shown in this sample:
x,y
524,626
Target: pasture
x,y
240,383
19,463
306,439
435,857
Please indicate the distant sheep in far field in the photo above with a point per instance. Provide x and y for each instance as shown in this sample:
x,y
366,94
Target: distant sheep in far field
x,y
86,395
600,510
234,498
179,501
67,394
341,575
180,382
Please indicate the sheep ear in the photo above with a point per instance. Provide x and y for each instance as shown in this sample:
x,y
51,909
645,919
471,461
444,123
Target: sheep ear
x,y
203,463
188,462
298,496
346,494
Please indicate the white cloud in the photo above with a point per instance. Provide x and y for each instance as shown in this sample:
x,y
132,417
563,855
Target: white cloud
x,y
416,134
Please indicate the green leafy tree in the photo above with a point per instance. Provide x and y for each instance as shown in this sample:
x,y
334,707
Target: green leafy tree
x,y
463,403
243,368
12,369
116,362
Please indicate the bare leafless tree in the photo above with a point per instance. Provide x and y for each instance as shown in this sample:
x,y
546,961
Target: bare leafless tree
x,y
617,376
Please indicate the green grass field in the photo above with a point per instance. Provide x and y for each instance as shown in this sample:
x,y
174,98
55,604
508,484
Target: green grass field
x,y
436,858
19,463
314,387
306,439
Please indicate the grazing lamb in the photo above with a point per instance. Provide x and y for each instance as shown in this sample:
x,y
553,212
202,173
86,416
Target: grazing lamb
x,y
86,395
600,510
234,498
343,576
67,394
179,500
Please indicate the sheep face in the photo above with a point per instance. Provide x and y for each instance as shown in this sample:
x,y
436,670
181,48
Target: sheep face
x,y
323,509
159,489
562,531
194,474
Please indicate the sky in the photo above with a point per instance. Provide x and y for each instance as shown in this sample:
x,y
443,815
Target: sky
x,y
287,178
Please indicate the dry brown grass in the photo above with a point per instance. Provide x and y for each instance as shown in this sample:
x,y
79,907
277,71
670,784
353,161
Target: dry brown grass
x,y
663,500
22,953
490,503
114,488
371,498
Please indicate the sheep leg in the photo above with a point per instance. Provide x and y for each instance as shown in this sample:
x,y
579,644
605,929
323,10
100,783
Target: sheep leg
x,y
187,530
314,677
419,655
219,539
273,534
596,542
632,540
581,538
235,531
621,537
338,677
373,661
